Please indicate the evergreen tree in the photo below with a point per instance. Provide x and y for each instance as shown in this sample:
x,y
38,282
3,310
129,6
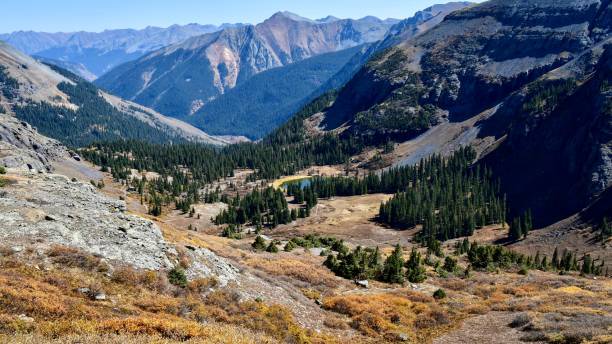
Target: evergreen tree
x,y
393,267
290,246
415,272
450,264
259,244
272,248
586,265
555,259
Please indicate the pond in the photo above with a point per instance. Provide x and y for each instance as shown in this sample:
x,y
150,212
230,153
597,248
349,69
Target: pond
x,y
304,182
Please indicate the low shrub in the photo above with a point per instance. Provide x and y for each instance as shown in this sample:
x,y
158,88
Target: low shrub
x,y
177,277
439,294
75,258
520,320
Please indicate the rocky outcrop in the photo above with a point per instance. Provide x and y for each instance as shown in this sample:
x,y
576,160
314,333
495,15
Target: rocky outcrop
x,y
45,209
22,147
40,210
205,263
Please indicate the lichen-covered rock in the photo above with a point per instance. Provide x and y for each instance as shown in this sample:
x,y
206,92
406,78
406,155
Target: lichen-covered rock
x,y
204,263
47,209
21,146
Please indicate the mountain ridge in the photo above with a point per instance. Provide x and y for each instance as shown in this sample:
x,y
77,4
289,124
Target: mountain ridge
x,y
215,62
99,52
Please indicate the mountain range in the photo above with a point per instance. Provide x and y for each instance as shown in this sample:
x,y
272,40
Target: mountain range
x,y
181,78
91,54
194,80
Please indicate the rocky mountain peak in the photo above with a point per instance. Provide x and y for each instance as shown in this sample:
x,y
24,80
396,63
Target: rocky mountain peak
x,y
286,15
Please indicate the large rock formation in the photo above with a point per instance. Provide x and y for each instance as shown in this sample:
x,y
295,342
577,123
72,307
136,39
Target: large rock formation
x,y
40,210
22,147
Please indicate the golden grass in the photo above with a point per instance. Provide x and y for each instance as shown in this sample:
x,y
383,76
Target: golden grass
x,y
574,290
386,314
137,307
315,275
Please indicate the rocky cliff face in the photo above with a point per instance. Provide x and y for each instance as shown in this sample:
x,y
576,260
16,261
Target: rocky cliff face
x,y
555,151
488,68
92,53
180,79
402,31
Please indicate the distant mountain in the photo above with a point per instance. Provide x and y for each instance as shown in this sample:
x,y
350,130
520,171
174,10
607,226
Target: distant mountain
x,y
257,106
72,110
526,82
180,79
95,53
76,68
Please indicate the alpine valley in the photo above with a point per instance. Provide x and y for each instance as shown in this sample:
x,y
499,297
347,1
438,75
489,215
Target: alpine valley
x,y
443,177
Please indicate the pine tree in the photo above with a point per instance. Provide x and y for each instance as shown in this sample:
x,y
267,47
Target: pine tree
x,y
555,259
272,248
450,264
289,246
516,231
586,265
415,271
259,243
392,269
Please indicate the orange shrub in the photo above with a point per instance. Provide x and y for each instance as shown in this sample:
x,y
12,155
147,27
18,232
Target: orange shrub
x,y
335,323
201,285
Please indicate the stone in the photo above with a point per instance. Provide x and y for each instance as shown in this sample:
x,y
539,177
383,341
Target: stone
x,y
363,283
403,337
25,318
100,296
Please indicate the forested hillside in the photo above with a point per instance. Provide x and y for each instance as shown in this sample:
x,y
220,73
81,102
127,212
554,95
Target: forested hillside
x,y
64,106
259,105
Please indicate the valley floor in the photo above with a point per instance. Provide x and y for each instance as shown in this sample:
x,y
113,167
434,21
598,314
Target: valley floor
x,y
289,296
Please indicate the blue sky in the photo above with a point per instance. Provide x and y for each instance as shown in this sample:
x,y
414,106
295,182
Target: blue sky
x,y
97,15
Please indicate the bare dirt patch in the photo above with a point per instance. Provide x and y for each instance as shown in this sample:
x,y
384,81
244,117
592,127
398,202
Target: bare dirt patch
x,y
349,218
489,328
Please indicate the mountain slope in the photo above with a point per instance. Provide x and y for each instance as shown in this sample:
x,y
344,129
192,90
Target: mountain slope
x,y
260,104
482,77
65,107
99,52
178,80
404,30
